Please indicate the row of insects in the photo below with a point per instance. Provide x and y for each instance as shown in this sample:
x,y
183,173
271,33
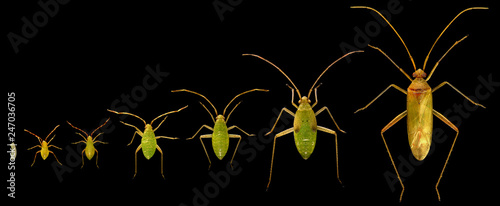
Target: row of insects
x,y
419,115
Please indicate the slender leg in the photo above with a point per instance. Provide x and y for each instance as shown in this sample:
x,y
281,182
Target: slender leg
x,y
34,159
326,108
442,84
55,147
235,149
392,85
316,95
158,137
203,126
160,124
34,147
394,121
446,121
159,149
324,129
81,141
96,158
287,111
204,148
137,150
234,126
284,132
137,131
54,156
82,158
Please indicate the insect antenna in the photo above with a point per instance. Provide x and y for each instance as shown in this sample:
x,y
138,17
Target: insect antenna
x,y
185,90
427,57
208,112
98,127
39,139
86,135
407,50
128,114
50,134
227,119
168,113
298,92
252,90
345,55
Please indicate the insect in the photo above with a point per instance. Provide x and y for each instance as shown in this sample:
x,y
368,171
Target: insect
x,y
220,136
419,105
304,125
44,145
13,151
89,150
148,141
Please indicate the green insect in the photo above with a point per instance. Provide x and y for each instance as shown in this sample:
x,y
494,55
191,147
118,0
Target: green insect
x,y
44,145
304,125
220,136
148,141
89,150
419,108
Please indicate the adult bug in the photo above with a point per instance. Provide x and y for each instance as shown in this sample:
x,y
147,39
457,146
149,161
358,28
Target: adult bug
x,y
304,125
148,140
419,104
89,142
44,146
220,132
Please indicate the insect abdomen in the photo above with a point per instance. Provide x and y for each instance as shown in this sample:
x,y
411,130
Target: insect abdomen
x,y
305,131
220,139
419,106
148,143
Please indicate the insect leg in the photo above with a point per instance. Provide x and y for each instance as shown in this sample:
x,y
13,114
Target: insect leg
x,y
442,84
326,108
34,159
158,137
203,126
54,156
137,131
159,149
34,147
82,158
287,111
55,147
204,148
392,85
96,158
137,150
81,141
284,132
446,121
380,50
394,121
234,126
237,145
324,129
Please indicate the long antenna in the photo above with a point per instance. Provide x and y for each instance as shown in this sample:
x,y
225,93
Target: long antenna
x,y
298,92
427,58
407,50
252,90
345,55
98,127
185,90
128,114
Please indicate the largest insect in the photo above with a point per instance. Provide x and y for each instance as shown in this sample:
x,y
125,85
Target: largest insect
x,y
419,105
304,125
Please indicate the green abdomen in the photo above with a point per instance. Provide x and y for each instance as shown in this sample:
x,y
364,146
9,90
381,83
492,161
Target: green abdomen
x,y
220,139
148,143
305,132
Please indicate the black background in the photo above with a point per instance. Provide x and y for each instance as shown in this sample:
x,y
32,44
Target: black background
x,y
90,53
